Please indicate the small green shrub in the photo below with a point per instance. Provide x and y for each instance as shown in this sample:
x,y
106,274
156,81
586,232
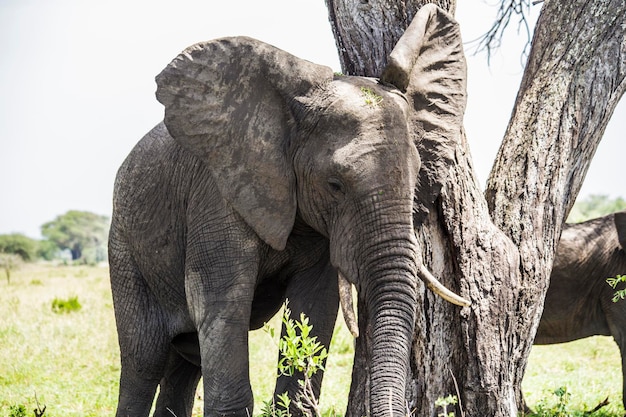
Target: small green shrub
x,y
277,409
444,402
18,410
613,282
299,353
557,410
561,407
66,306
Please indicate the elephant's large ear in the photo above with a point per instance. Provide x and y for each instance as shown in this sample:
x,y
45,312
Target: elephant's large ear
x,y
428,64
620,226
227,101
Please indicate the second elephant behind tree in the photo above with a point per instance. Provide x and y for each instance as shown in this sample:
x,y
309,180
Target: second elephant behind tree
x,y
579,301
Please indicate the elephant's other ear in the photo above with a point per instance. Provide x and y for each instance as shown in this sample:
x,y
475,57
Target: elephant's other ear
x,y
227,101
620,226
428,64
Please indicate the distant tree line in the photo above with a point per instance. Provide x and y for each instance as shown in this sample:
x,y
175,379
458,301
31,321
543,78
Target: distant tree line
x,y
595,206
76,236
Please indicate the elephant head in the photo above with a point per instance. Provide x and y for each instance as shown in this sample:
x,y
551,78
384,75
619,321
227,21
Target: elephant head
x,y
286,139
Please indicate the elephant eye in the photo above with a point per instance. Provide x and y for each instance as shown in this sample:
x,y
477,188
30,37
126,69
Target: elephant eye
x,y
336,186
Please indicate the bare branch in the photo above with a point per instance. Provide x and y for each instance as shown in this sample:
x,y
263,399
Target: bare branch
x,y
508,9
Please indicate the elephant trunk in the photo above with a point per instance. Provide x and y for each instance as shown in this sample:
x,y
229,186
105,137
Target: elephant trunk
x,y
390,365
347,304
390,305
385,269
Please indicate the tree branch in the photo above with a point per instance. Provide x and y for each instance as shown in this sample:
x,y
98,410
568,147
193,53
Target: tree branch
x,y
507,10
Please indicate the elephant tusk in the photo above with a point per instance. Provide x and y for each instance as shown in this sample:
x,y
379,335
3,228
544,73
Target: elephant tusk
x,y
347,307
436,287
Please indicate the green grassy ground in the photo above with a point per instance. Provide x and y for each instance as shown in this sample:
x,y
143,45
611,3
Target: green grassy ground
x,y
590,369
69,361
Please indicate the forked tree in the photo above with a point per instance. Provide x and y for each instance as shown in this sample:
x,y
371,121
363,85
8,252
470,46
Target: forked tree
x,y
496,246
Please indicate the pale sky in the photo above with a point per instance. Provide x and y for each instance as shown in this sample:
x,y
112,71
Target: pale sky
x,y
77,90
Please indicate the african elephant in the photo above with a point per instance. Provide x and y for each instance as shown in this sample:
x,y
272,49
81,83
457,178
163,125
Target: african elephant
x,y
578,302
268,176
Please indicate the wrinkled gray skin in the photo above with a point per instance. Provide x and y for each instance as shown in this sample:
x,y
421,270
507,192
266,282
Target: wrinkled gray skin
x,y
578,302
268,175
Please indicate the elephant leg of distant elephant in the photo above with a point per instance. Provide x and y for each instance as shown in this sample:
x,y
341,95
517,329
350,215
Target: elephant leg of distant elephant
x,y
620,339
615,313
177,388
144,355
313,292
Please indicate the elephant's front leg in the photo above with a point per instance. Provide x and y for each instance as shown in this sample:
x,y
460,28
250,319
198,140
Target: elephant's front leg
x,y
220,296
312,292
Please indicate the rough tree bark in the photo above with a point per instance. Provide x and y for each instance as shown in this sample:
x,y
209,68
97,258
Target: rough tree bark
x,y
497,247
575,76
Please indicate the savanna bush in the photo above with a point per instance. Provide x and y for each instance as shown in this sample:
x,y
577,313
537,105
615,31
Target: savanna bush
x,y
66,305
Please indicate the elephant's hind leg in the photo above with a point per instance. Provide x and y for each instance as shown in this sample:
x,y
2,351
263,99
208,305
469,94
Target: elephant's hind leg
x,y
143,359
615,316
177,387
143,344
620,339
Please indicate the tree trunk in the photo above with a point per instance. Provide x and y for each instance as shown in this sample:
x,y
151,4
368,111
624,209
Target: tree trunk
x,y
574,78
76,252
497,248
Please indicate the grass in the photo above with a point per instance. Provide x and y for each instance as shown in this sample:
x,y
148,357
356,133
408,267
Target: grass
x,y
70,362
590,369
